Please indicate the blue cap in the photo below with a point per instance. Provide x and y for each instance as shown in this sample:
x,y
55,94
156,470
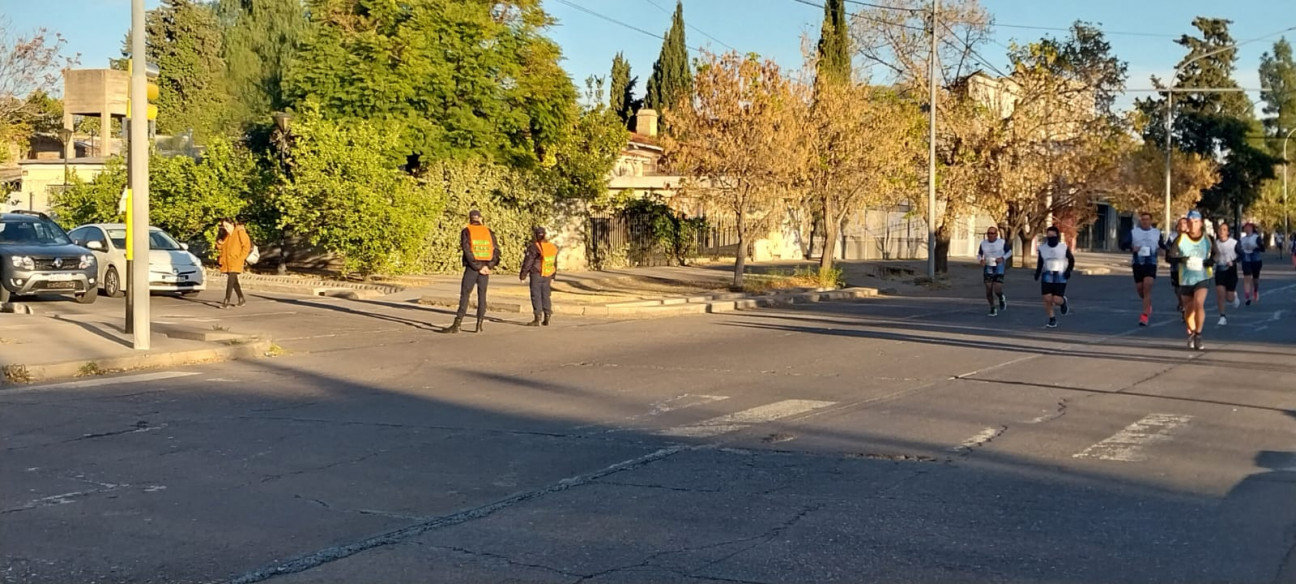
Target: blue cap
x,y
1194,215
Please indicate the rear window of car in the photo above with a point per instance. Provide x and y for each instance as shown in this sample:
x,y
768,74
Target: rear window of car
x,y
19,232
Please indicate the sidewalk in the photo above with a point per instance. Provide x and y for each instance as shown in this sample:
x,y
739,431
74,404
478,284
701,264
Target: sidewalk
x,y
38,348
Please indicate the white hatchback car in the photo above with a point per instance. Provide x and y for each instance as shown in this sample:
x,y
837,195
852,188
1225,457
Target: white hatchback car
x,y
171,267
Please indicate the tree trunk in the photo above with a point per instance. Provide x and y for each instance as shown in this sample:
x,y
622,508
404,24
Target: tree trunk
x,y
831,226
740,261
942,250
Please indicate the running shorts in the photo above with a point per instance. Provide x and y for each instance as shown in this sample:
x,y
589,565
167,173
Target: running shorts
x,y
1252,268
1227,277
1053,289
1190,289
1142,271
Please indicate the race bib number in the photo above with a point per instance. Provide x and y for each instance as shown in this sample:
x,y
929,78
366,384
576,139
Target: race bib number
x,y
1055,265
1145,252
1195,264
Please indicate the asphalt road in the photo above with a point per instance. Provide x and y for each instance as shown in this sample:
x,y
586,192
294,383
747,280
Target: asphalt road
x,y
887,440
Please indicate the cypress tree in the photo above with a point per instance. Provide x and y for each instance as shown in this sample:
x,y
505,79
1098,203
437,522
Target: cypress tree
x,y
671,79
834,62
621,94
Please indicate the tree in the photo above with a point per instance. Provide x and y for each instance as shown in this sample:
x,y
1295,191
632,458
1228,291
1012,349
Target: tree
x,y
461,77
30,67
733,138
621,94
1140,185
260,40
586,156
1218,125
1278,80
834,50
893,40
184,41
671,78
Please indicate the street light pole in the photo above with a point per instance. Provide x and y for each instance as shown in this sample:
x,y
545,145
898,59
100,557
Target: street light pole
x,y
931,153
139,282
1286,215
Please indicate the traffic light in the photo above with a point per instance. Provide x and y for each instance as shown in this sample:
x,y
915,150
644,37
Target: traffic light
x,y
151,94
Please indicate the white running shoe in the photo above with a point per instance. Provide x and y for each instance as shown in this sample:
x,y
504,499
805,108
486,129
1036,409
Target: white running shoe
x,y
1223,321
1236,302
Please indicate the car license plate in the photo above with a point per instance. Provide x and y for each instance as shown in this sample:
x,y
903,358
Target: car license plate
x,y
61,277
60,285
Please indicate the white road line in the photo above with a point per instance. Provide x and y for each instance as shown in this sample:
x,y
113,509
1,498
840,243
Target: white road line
x,y
682,401
739,420
1127,445
978,439
143,377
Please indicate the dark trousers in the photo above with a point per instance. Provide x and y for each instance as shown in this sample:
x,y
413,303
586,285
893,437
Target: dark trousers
x,y
541,288
232,286
473,278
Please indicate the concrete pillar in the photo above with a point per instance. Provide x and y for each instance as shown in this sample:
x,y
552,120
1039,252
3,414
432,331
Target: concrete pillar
x,y
105,134
69,149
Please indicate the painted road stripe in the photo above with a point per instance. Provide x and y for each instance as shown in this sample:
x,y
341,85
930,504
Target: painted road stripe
x,y
83,383
739,420
680,402
978,439
1127,445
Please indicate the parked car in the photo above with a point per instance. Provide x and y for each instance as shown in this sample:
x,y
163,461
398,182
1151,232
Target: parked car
x,y
171,267
38,257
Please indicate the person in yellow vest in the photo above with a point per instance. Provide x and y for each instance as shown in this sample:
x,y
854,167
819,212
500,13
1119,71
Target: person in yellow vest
x,y
480,256
540,263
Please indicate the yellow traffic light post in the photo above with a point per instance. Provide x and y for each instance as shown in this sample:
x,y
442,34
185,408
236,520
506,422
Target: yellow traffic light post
x,y
137,205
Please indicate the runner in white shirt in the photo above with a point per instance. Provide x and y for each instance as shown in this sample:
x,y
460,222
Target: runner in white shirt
x,y
1226,272
1052,270
1144,242
994,254
1251,248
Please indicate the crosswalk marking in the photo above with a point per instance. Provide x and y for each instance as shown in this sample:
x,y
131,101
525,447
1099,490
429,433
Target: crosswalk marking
x,y
980,438
739,420
682,401
1127,445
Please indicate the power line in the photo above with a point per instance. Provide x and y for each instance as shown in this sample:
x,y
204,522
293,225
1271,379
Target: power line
x,y
866,16
620,23
695,29
1105,32
881,7
975,55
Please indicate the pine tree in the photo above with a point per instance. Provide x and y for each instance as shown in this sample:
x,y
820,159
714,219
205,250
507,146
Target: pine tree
x,y
1278,77
259,43
834,56
621,94
671,79
184,40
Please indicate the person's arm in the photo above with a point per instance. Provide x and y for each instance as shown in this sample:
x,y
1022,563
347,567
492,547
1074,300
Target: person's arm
x,y
528,262
1126,243
245,240
1070,264
1039,265
495,255
465,243
981,254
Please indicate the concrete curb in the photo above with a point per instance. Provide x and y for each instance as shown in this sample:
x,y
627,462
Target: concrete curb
x,y
69,369
305,287
666,307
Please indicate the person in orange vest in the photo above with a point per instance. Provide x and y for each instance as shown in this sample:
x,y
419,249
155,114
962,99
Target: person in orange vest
x,y
540,263
480,256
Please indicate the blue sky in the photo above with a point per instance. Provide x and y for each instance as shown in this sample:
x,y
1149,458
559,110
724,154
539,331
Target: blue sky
x,y
95,28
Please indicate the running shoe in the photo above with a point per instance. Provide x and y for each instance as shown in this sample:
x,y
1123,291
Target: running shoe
x,y
1197,342
1003,302
1052,323
1066,306
1236,302
993,311
1143,319
1223,321
1248,299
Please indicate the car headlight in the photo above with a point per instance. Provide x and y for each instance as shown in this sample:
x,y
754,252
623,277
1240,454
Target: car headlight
x,y
22,262
87,261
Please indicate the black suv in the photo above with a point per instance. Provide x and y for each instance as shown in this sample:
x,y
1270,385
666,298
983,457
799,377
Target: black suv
x,y
36,257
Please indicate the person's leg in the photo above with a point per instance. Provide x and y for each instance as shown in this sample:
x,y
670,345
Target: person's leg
x,y
537,300
465,288
989,290
998,293
230,279
1199,308
482,282
238,289
1255,281
1190,315
1221,298
1147,294
546,293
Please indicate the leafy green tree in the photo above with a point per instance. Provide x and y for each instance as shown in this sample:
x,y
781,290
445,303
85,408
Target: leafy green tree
x,y
349,196
1278,78
834,52
587,155
93,201
461,77
184,40
621,94
1215,125
187,197
260,40
672,78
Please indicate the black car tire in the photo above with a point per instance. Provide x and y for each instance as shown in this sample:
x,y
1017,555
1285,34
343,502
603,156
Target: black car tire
x,y
189,293
112,283
88,297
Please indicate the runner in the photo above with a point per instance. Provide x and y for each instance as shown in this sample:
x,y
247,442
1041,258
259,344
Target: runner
x,y
1172,258
994,254
1226,272
1196,251
1054,267
1252,247
1144,242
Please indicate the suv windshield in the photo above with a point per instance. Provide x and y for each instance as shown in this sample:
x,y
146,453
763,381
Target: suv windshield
x,y
158,240
28,232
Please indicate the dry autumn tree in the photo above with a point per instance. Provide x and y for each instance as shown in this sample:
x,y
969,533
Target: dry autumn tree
x,y
736,138
30,65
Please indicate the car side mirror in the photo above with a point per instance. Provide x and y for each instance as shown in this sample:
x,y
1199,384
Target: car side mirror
x,y
95,245
184,246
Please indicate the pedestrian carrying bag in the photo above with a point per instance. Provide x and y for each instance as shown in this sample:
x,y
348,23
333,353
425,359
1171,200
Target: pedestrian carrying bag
x,y
254,256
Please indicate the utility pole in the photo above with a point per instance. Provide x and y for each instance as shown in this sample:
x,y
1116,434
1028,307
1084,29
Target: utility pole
x,y
934,61
1286,215
138,289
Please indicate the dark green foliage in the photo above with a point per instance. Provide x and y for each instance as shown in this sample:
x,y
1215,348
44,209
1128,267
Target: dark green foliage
x,y
671,233
184,40
834,53
672,77
461,77
621,94
259,43
1278,77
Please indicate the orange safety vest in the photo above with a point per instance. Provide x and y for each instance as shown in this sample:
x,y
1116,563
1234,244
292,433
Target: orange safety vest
x,y
548,258
479,239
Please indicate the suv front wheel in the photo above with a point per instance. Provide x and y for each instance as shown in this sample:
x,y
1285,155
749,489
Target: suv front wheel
x,y
89,296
